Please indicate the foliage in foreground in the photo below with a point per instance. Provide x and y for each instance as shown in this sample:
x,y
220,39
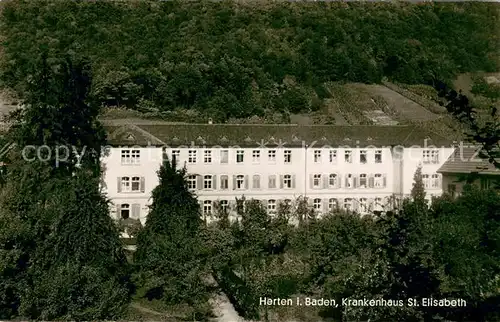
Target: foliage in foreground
x,y
60,252
448,250
169,257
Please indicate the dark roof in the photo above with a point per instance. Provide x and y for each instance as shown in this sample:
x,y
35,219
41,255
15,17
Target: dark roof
x,y
175,134
466,160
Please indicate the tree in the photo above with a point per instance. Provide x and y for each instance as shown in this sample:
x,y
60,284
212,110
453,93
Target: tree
x,y
169,248
486,134
466,234
55,222
408,248
418,189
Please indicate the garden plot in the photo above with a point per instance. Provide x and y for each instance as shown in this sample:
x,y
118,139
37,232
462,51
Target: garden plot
x,y
378,117
404,107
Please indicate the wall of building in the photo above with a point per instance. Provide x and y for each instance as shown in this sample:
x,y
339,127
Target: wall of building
x,y
150,160
304,163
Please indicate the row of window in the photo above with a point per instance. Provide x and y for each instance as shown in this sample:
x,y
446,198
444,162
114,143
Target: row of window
x,y
319,205
363,180
126,210
240,156
131,156
239,182
131,184
431,181
287,181
430,156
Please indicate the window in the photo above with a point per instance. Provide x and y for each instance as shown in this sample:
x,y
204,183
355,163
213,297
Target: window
x,y
426,156
207,207
125,211
287,181
224,204
316,180
288,156
207,182
425,180
271,154
362,156
332,180
224,156
435,182
272,182
317,205
430,156
435,156
240,182
271,206
332,204
125,184
192,156
130,156
207,158
191,182
317,156
363,205
256,181
348,204
136,155
333,156
362,180
136,184
378,156
255,156
378,182
239,156
348,156
126,157
128,184
176,154
224,182
349,181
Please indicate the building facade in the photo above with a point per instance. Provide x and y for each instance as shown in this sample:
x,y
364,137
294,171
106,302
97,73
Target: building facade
x,y
360,168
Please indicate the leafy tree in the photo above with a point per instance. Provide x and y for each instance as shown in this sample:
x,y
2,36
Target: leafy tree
x,y
169,248
418,189
407,244
203,55
54,220
466,242
486,134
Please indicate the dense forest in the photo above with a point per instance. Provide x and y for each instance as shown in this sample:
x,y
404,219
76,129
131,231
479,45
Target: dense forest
x,y
228,59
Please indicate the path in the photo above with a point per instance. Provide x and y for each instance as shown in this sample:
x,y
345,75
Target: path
x,y
223,309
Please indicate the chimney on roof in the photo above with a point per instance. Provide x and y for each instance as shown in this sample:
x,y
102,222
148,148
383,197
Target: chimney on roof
x,y
210,121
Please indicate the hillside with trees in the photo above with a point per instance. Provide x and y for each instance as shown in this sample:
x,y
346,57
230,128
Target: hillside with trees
x,y
61,255
229,59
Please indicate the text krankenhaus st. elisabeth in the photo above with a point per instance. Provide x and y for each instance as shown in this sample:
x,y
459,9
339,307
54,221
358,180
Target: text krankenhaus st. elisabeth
x,y
308,301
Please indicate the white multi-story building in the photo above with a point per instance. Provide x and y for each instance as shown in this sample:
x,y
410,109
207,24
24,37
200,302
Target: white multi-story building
x,y
361,168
